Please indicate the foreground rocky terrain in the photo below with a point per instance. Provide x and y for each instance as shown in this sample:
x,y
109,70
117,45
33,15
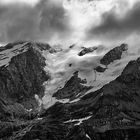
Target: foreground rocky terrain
x,y
111,112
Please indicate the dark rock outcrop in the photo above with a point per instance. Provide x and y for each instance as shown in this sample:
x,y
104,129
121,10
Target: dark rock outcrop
x,y
87,50
45,46
114,54
100,69
73,88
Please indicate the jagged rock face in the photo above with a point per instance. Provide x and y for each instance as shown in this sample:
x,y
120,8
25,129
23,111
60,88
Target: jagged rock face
x,y
114,54
21,79
11,45
87,50
73,88
133,70
100,69
126,86
43,46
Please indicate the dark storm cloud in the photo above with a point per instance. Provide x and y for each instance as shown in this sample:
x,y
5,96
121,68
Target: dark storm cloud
x,y
18,23
113,27
55,17
23,22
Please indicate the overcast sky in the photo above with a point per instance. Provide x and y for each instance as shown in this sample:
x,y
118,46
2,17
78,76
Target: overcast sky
x,y
52,20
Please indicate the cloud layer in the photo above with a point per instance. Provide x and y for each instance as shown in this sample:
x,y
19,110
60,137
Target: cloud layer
x,y
28,2
39,22
46,20
113,26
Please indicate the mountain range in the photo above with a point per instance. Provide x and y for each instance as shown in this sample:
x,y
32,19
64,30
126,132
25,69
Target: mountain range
x,y
95,97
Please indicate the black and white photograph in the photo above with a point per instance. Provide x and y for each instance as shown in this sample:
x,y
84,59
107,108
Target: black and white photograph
x,y
69,69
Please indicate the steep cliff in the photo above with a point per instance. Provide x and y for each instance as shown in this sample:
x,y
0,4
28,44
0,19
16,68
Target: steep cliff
x,y
21,78
73,88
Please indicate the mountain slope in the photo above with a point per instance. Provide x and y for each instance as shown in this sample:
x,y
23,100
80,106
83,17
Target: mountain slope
x,y
22,78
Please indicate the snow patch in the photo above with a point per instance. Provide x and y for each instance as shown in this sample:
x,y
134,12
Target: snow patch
x,y
79,120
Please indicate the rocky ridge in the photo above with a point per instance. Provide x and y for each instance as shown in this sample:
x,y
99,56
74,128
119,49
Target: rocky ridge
x,y
21,79
114,54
